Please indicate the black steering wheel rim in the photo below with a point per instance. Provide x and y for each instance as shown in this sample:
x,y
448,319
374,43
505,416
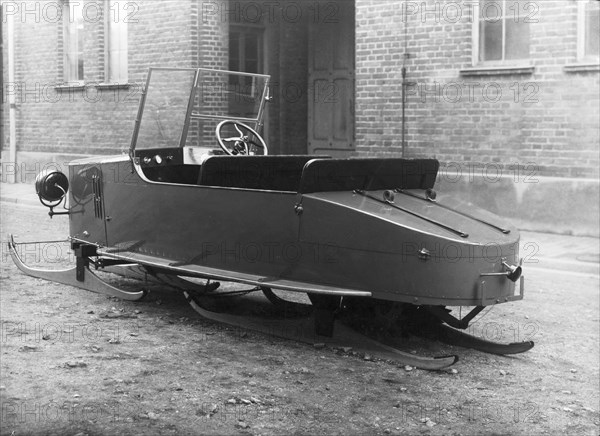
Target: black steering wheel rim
x,y
242,143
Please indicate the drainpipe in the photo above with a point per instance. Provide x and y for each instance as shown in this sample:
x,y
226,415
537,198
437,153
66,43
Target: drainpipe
x,y
405,56
403,107
1,82
12,158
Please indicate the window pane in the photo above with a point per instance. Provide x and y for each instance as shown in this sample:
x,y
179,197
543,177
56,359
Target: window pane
x,y
517,39
234,51
74,42
490,40
79,49
592,29
117,52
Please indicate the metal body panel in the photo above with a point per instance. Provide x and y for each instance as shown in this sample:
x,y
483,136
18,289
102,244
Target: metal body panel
x,y
376,247
341,240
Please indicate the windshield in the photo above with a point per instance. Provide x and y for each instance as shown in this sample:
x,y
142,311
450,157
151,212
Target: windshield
x,y
182,107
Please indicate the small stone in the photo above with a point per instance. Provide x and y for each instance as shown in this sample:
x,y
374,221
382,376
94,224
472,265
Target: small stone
x,y
152,415
319,345
133,334
367,357
252,383
255,400
78,364
452,371
232,401
408,368
573,370
430,423
403,389
502,372
76,396
114,341
2,388
28,348
242,424
346,349
244,401
137,312
567,409
567,392
387,431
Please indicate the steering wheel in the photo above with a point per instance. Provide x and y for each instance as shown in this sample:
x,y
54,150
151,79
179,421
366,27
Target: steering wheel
x,y
243,144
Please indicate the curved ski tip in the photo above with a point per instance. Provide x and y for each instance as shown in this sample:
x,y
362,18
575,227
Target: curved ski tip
x,y
454,358
525,344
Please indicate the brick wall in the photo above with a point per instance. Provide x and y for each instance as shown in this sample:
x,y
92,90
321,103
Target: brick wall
x,y
545,121
97,119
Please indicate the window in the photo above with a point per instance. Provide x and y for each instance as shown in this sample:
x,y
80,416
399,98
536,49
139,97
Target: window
x,y
246,50
501,30
73,34
588,31
115,44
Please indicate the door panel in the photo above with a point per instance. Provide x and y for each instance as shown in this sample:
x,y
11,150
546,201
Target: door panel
x,y
331,82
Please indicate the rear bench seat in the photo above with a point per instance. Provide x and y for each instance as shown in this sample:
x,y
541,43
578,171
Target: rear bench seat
x,y
274,173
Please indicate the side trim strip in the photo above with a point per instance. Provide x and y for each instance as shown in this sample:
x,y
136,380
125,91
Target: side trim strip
x,y
437,223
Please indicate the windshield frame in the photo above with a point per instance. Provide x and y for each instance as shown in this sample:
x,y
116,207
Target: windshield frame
x,y
255,122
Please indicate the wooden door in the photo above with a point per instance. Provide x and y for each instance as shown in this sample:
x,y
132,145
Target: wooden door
x,y
331,80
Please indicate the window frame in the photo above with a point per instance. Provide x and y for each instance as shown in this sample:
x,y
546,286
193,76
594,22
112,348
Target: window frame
x,y
476,35
582,57
259,31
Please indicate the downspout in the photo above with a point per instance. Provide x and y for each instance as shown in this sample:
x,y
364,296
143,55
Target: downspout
x,y
12,131
405,56
403,107
1,82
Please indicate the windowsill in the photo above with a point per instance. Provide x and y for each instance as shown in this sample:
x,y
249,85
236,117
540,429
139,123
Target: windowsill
x,y
69,87
581,67
497,70
123,85
81,86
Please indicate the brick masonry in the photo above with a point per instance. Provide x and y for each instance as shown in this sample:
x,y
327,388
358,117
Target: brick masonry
x,y
546,119
538,123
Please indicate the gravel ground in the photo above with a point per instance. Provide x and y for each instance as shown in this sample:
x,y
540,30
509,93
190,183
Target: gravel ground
x,y
78,363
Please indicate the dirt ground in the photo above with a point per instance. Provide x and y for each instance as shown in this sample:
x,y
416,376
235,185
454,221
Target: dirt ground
x,y
78,363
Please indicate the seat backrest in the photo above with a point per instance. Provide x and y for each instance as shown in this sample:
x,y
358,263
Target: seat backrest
x,y
275,173
321,175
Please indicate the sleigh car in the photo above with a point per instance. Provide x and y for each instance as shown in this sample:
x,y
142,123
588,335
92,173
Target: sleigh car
x,y
359,236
